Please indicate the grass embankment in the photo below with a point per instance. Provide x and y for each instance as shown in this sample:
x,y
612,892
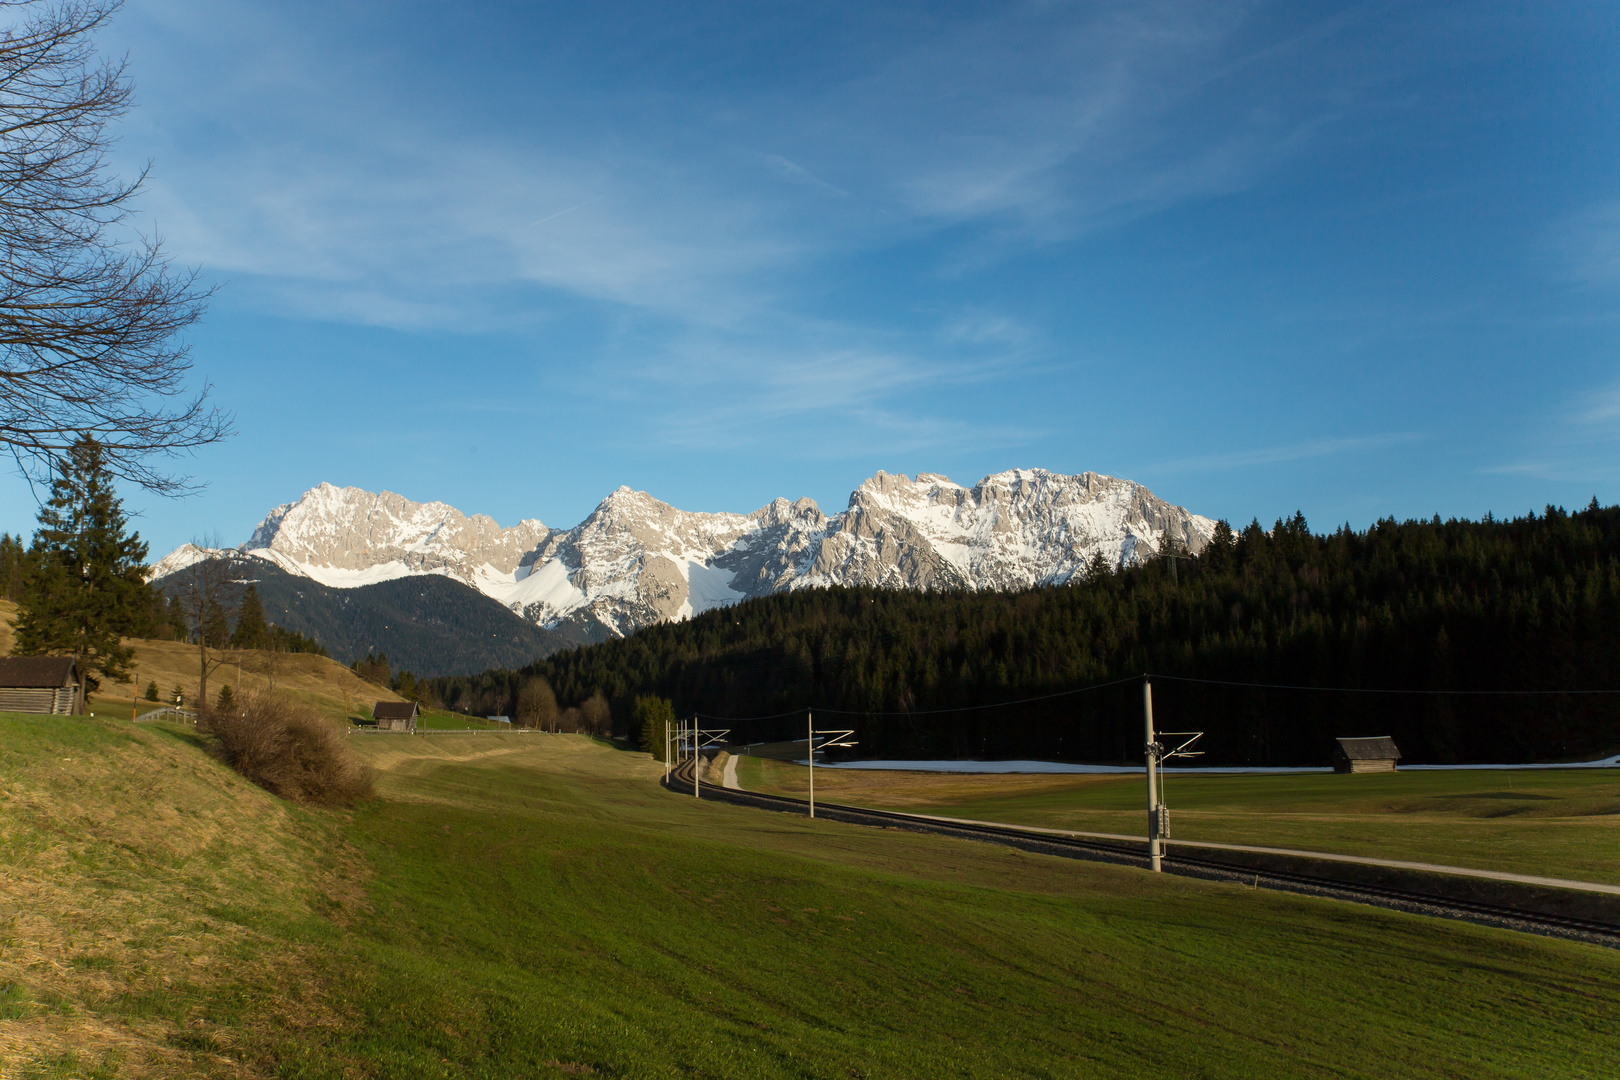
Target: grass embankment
x,y
327,686
158,914
539,907
1550,822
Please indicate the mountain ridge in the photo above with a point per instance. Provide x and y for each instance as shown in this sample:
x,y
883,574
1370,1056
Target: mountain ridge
x,y
636,560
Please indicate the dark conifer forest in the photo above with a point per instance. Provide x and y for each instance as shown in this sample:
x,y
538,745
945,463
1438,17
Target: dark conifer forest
x,y
1410,607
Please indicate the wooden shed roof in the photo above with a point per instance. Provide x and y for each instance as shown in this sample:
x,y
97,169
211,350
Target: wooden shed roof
x,y
394,710
1370,748
34,672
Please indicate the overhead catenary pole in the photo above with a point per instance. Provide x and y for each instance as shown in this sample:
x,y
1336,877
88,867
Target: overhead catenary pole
x,y
1151,752
697,762
666,752
810,741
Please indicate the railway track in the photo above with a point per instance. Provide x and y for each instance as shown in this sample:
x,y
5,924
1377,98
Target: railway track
x,y
1075,847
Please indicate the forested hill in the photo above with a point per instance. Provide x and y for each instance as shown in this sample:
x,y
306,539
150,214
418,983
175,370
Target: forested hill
x,y
1531,603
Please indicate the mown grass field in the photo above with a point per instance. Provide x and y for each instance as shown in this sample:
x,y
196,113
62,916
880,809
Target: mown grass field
x,y
1550,822
442,720
523,906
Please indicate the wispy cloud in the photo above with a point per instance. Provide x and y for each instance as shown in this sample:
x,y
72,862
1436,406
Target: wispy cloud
x,y
1285,453
1597,406
1586,245
302,165
1573,442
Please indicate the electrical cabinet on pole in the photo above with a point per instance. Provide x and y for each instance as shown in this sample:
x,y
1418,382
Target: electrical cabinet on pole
x,y
1157,755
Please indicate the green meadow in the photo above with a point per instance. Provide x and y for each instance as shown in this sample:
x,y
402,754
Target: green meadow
x,y
1549,822
526,906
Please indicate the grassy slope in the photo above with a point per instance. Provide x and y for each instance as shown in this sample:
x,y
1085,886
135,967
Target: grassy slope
x,y
332,689
544,909
316,680
1555,822
157,913
538,907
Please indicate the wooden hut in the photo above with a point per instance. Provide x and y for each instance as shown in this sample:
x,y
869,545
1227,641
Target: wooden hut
x,y
39,684
395,715
1374,753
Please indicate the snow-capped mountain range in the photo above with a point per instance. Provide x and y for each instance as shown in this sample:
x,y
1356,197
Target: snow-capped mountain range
x,y
636,561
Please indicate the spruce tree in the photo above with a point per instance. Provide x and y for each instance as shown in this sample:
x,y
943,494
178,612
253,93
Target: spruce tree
x,y
216,629
177,621
251,631
152,691
13,566
85,588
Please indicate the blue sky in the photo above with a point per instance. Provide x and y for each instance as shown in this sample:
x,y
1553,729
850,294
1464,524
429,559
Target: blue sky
x,y
1359,260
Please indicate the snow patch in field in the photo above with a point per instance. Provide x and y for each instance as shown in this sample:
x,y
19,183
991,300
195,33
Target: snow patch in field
x,y
1042,767
1212,770
1601,763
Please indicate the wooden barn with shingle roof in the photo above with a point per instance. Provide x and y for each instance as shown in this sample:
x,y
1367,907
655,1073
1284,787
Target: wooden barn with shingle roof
x,y
394,715
39,684
1374,753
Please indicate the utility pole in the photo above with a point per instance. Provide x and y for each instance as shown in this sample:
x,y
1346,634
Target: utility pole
x,y
666,753
700,739
841,737
1157,754
1151,751
810,744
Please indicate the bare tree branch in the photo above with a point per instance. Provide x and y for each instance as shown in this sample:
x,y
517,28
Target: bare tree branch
x,y
90,321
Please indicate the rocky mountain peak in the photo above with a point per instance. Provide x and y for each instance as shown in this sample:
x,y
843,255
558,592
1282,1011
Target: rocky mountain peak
x,y
637,560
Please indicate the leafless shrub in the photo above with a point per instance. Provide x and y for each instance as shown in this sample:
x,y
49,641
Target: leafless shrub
x,y
595,716
536,704
286,748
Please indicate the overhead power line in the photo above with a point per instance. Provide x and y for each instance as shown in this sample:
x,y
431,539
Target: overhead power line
x,y
1372,689
1164,678
931,712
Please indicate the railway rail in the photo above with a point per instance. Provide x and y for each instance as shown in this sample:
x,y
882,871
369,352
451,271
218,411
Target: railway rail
x,y
1594,931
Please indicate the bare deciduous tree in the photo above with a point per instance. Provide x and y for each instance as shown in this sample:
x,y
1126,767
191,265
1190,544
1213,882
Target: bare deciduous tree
x,y
595,716
210,584
90,313
536,704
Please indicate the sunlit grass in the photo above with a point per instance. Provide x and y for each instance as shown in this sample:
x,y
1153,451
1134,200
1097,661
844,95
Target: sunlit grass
x,y
1549,822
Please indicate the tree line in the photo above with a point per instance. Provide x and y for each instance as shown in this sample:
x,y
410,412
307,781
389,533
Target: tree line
x,y
1433,612
80,585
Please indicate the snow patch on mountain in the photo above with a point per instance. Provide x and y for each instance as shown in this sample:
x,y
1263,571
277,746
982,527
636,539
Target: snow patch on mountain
x,y
636,560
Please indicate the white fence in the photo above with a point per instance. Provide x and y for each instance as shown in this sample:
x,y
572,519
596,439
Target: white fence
x,y
168,712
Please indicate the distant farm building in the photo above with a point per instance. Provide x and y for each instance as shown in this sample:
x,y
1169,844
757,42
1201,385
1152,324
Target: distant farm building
x,y
1368,754
39,684
395,715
